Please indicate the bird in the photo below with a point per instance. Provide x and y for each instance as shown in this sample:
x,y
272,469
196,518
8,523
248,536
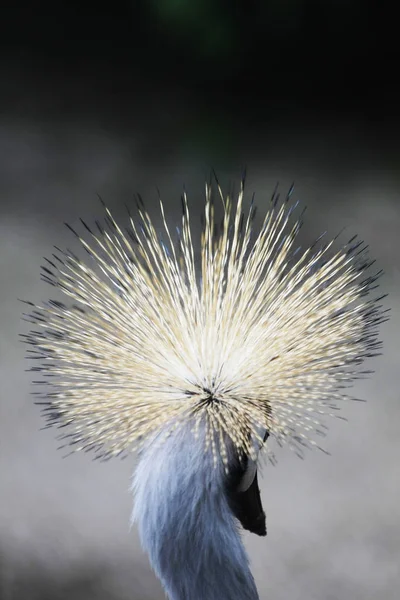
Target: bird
x,y
194,352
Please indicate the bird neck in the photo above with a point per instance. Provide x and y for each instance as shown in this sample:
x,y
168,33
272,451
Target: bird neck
x,y
186,525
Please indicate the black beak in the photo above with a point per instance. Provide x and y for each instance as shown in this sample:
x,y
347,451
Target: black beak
x,y
247,506
249,510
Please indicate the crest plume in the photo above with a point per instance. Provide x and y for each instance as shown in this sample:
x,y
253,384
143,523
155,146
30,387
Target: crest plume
x,y
238,332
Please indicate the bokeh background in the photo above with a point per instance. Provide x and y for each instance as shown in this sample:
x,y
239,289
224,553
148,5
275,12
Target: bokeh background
x,y
121,97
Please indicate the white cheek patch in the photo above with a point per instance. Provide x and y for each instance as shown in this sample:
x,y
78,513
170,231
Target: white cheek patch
x,y
248,476
251,469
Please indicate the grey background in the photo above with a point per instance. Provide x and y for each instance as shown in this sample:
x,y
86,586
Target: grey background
x,y
333,522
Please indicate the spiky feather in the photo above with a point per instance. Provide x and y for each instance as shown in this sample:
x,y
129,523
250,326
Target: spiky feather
x,y
238,332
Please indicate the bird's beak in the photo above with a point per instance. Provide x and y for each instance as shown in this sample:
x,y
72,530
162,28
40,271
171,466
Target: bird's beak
x,y
249,509
247,506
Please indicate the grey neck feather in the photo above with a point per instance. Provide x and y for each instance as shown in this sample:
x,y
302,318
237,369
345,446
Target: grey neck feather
x,y
185,523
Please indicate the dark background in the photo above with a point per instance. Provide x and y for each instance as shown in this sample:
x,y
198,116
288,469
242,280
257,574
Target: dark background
x,y
120,97
198,75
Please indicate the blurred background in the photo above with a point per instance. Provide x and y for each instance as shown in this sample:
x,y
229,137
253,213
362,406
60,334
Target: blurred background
x,y
121,97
